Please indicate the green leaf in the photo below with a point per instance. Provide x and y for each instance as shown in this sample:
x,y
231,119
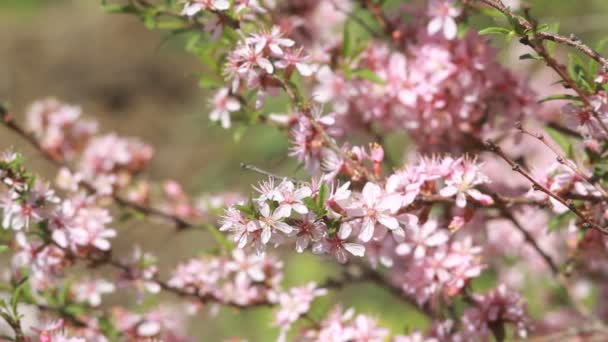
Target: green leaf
x,y
577,72
310,203
16,295
347,40
369,75
549,43
531,56
519,29
559,97
323,194
494,30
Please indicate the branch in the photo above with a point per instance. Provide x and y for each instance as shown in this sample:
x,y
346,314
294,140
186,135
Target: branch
x,y
543,35
492,147
9,122
535,41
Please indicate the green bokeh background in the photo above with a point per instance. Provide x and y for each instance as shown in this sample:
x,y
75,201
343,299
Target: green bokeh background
x,y
137,82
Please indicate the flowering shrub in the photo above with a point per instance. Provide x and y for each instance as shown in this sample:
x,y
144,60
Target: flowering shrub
x,y
473,200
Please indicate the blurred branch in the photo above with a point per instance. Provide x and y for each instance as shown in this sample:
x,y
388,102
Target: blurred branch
x,y
587,223
571,41
10,123
527,29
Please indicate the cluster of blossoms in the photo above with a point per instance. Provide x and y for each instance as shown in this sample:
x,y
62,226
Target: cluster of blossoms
x,y
488,316
77,226
72,227
345,325
422,258
293,304
105,162
59,128
240,280
491,311
257,57
333,217
564,181
426,230
158,324
441,90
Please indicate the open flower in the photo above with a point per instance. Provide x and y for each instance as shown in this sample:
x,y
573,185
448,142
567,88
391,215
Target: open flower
x,y
374,207
223,105
192,7
271,222
442,13
462,182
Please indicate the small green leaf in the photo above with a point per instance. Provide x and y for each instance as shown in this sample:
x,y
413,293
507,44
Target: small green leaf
x,y
323,194
16,295
310,203
494,30
559,97
531,56
347,40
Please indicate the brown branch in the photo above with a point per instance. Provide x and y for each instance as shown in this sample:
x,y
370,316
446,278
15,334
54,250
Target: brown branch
x,y
9,122
543,35
562,159
588,223
536,41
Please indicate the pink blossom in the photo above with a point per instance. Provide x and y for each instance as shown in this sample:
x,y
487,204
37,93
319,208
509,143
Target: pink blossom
x,y
59,128
223,105
272,40
462,181
90,291
442,13
290,198
338,246
295,59
332,88
270,222
192,7
420,238
295,303
374,207
308,229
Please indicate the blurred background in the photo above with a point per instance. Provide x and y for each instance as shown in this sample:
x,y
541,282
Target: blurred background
x,y
138,82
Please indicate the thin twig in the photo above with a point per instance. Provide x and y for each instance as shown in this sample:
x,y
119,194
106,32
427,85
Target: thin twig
x,y
550,36
492,147
535,40
562,159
